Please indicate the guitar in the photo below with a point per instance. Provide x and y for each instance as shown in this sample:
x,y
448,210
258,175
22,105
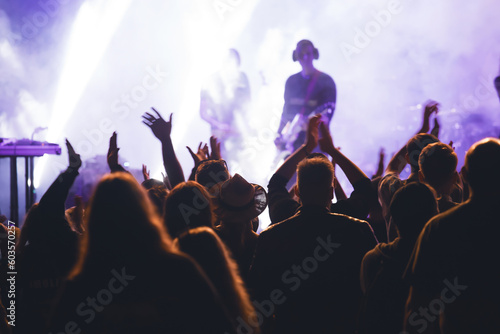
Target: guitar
x,y
299,123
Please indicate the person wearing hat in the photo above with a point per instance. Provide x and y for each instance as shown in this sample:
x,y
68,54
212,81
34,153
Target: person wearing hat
x,y
236,204
305,91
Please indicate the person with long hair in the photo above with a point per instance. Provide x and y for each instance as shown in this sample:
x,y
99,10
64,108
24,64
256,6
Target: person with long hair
x,y
129,278
47,249
187,206
212,255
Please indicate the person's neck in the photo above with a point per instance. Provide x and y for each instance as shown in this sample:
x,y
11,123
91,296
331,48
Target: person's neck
x,y
319,205
308,71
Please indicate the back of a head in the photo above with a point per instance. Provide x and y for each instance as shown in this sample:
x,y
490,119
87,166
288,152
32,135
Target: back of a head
x,y
122,220
482,167
203,244
187,206
157,195
415,146
411,207
211,172
315,180
208,250
438,163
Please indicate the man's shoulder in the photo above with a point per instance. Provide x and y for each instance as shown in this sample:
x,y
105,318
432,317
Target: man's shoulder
x,y
349,222
294,78
277,228
324,76
452,218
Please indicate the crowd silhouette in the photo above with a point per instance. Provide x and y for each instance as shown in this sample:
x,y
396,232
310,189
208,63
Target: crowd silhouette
x,y
412,255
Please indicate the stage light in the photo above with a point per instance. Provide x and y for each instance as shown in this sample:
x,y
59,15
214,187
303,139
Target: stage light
x,y
94,26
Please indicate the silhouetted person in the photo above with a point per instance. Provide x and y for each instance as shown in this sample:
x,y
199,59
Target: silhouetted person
x,y
203,245
237,204
306,268
224,103
187,206
305,91
47,250
454,270
382,269
438,168
129,278
408,154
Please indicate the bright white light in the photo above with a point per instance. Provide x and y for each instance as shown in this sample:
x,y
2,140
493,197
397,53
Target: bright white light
x,y
95,24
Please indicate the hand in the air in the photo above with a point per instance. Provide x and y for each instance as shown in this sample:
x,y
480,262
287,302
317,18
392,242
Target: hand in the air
x,y
326,141
430,107
201,155
145,172
74,159
215,147
161,128
113,149
312,134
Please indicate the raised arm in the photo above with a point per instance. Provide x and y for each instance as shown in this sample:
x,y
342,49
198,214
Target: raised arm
x,y
281,203
288,168
353,172
337,187
112,157
380,169
52,202
162,129
398,161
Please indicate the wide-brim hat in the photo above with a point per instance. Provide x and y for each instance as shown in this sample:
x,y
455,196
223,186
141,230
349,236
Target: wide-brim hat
x,y
238,200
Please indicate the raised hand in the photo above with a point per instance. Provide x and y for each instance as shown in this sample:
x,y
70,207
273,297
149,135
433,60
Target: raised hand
x,y
326,141
161,128
215,148
435,129
145,172
200,155
113,152
73,157
430,107
312,133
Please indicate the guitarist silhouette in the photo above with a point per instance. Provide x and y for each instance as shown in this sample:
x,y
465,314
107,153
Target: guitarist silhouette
x,y
306,93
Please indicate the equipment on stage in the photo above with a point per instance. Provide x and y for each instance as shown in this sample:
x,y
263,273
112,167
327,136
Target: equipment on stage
x,y
29,149
299,123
